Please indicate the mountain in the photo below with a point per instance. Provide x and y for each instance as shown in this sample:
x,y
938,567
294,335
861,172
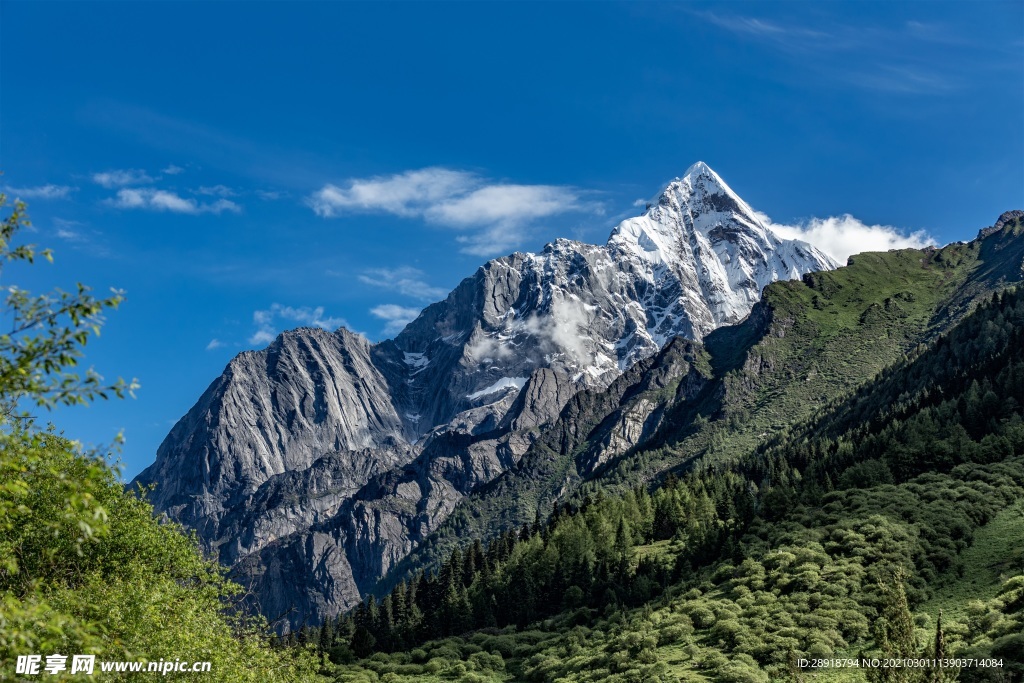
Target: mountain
x,y
806,345
312,467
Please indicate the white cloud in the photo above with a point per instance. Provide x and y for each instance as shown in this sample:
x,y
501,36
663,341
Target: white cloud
x,y
216,344
268,321
569,323
162,200
500,204
905,79
564,328
270,195
262,336
217,191
842,236
403,194
69,235
872,58
397,317
487,348
498,213
48,191
174,170
405,280
80,236
308,316
561,330
497,239
765,29
121,177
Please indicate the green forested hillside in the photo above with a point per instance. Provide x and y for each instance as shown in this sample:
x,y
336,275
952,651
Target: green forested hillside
x,y
808,345
783,540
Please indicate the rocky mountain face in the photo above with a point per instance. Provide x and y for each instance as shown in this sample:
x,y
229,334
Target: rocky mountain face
x,y
315,465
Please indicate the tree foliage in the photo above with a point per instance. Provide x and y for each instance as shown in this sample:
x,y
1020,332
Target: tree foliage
x,y
84,566
48,333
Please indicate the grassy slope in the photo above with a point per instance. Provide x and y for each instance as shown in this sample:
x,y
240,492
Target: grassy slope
x,y
829,334
996,554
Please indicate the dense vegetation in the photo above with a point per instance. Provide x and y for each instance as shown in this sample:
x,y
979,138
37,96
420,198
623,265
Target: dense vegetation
x,y
802,547
84,566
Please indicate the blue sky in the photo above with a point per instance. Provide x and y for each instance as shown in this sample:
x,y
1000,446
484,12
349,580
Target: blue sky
x,y
242,168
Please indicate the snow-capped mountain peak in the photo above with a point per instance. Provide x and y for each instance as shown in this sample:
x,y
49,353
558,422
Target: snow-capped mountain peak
x,y
712,242
698,202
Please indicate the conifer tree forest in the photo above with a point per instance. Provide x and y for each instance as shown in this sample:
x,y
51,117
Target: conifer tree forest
x,y
889,526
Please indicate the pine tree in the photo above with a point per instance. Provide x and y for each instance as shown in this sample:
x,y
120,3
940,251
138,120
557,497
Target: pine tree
x,y
450,608
326,636
372,616
400,608
386,626
894,632
621,550
939,673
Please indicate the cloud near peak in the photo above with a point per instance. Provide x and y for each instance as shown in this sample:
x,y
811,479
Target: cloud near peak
x,y
842,236
494,215
270,321
405,280
397,317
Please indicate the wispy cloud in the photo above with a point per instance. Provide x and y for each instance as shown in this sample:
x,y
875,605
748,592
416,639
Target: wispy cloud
x,y
498,212
48,191
407,194
905,79
495,204
216,191
262,336
80,237
909,58
270,321
495,239
842,236
936,32
69,235
397,317
405,280
162,200
765,29
69,231
270,195
174,170
122,178
214,344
